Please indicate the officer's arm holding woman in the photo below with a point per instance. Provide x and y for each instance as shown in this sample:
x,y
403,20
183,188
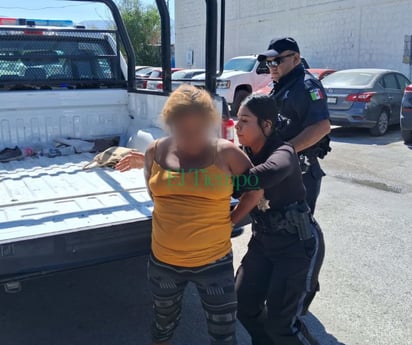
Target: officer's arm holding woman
x,y
240,166
310,135
313,116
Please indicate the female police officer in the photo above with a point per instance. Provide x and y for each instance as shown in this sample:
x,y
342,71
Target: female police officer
x,y
280,266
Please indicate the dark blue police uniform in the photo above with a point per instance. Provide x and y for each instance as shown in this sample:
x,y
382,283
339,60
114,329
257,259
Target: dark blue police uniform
x,y
302,99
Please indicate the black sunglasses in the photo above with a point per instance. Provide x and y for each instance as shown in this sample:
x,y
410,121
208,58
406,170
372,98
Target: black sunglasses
x,y
276,62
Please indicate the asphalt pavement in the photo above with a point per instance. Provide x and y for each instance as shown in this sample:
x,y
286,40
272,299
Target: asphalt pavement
x,y
365,210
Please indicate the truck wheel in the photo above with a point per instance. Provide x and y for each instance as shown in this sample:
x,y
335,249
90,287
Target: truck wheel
x,y
382,124
407,136
240,96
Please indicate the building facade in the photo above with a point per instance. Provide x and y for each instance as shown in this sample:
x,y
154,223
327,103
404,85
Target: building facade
x,y
331,33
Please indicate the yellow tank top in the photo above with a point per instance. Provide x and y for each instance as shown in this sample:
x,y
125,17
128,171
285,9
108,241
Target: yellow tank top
x,y
191,223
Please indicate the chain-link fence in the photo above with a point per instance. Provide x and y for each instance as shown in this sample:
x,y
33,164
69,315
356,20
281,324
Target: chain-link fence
x,y
35,57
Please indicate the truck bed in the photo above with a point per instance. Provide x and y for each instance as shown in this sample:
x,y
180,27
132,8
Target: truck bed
x,y
41,197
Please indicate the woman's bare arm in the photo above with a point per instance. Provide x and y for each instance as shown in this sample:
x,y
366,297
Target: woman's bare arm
x,y
234,159
148,163
134,160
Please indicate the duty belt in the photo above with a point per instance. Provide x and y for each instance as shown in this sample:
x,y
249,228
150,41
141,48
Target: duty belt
x,y
306,162
293,219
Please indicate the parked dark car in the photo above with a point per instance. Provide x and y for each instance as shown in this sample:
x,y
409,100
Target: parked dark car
x,y
406,115
142,74
369,98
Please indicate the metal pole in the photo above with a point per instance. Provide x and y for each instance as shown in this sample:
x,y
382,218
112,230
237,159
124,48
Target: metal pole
x,y
222,36
211,45
166,49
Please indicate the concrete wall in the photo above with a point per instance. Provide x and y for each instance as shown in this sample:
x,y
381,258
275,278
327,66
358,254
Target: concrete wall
x,y
331,33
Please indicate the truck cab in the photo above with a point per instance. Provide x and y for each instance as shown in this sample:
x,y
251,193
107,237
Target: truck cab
x,y
68,91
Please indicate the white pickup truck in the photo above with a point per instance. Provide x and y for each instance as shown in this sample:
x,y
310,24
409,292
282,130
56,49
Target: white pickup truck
x,y
241,76
69,82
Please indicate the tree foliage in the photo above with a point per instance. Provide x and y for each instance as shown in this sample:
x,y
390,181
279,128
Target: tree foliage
x,y
144,28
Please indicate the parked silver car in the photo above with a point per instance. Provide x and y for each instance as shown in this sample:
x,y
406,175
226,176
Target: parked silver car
x,y
142,73
369,98
179,76
184,76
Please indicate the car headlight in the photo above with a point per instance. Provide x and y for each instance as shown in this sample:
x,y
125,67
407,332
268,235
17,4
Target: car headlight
x,y
223,84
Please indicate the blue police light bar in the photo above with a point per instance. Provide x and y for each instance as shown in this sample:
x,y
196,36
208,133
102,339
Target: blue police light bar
x,y
47,22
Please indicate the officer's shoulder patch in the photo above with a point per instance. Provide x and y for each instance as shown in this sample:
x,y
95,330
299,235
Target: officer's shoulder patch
x,y
315,90
316,94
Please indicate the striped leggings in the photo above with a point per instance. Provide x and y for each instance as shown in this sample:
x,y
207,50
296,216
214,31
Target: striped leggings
x,y
215,284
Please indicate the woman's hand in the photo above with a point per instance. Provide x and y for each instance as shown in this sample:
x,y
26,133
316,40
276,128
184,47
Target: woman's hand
x,y
134,160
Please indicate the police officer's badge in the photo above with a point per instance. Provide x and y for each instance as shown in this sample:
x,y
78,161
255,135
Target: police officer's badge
x,y
263,205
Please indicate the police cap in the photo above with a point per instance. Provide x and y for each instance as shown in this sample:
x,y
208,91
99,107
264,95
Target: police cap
x,y
277,46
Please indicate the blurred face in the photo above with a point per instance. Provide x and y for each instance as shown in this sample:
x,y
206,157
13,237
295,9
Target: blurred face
x,y
248,129
285,62
192,132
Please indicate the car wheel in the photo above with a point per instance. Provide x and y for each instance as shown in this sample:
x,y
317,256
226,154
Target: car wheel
x,y
240,96
382,124
407,136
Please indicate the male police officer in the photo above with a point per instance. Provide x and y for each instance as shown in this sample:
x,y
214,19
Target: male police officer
x,y
302,99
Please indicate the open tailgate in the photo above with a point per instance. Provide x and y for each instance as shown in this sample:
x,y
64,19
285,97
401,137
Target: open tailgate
x,y
49,196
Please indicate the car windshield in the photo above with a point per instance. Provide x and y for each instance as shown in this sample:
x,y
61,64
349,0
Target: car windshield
x,y
155,74
343,79
180,75
242,64
145,71
316,75
186,74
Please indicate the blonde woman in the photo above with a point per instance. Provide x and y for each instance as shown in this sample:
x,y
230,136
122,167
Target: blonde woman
x,y
190,176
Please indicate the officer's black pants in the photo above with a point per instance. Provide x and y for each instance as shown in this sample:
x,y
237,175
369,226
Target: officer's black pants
x,y
275,276
312,180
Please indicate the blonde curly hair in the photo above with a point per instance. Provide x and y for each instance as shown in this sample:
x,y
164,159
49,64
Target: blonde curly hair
x,y
188,99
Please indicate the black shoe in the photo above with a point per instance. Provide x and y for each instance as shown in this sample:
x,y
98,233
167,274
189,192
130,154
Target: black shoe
x,y
8,155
